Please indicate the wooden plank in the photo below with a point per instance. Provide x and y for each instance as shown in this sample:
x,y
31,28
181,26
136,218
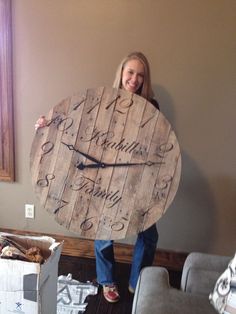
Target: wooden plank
x,y
131,174
69,140
100,191
82,219
114,178
148,174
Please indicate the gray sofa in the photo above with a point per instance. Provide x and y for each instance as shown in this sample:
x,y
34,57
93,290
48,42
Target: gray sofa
x,y
154,295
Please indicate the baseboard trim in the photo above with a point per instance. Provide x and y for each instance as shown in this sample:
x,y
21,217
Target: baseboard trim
x,y
78,247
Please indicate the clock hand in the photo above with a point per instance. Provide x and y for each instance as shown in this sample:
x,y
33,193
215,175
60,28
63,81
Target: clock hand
x,y
146,163
81,166
71,147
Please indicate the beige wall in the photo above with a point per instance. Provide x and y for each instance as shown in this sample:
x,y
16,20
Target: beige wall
x,y
62,47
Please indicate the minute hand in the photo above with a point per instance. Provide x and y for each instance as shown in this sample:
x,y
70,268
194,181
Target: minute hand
x,y
81,166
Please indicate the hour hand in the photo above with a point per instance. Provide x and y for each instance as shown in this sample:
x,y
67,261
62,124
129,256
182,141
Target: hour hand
x,y
71,147
82,166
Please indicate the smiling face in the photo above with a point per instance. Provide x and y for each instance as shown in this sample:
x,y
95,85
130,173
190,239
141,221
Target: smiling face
x,y
133,75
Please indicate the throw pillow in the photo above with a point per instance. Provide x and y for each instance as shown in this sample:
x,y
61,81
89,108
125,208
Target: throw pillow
x,y
223,297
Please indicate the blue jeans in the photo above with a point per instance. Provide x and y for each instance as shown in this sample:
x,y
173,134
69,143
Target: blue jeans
x,y
144,252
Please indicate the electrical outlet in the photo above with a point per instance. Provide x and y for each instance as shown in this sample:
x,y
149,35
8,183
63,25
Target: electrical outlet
x,y
29,211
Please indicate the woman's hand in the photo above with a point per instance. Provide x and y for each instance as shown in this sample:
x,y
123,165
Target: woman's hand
x,y
40,123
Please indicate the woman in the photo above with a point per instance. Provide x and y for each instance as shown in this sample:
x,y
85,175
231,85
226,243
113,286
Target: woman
x,y
133,75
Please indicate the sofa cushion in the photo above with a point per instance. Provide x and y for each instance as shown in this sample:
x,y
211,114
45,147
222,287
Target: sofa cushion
x,y
201,281
201,271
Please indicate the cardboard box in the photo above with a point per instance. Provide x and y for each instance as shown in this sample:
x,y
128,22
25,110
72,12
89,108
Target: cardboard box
x,y
26,287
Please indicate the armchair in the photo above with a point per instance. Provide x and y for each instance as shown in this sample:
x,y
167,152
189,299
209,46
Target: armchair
x,y
154,294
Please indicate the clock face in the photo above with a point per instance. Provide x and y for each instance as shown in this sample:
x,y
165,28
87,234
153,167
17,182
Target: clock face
x,y
107,165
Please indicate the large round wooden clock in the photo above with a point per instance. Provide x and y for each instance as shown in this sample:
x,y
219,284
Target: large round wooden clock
x,y
107,164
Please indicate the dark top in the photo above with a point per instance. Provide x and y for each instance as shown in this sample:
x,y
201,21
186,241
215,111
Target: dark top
x,y
155,103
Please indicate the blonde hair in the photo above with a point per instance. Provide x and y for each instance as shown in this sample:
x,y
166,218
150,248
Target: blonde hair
x,y
146,88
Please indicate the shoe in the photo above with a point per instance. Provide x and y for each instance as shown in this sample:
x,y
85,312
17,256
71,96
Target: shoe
x,y
131,290
111,293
